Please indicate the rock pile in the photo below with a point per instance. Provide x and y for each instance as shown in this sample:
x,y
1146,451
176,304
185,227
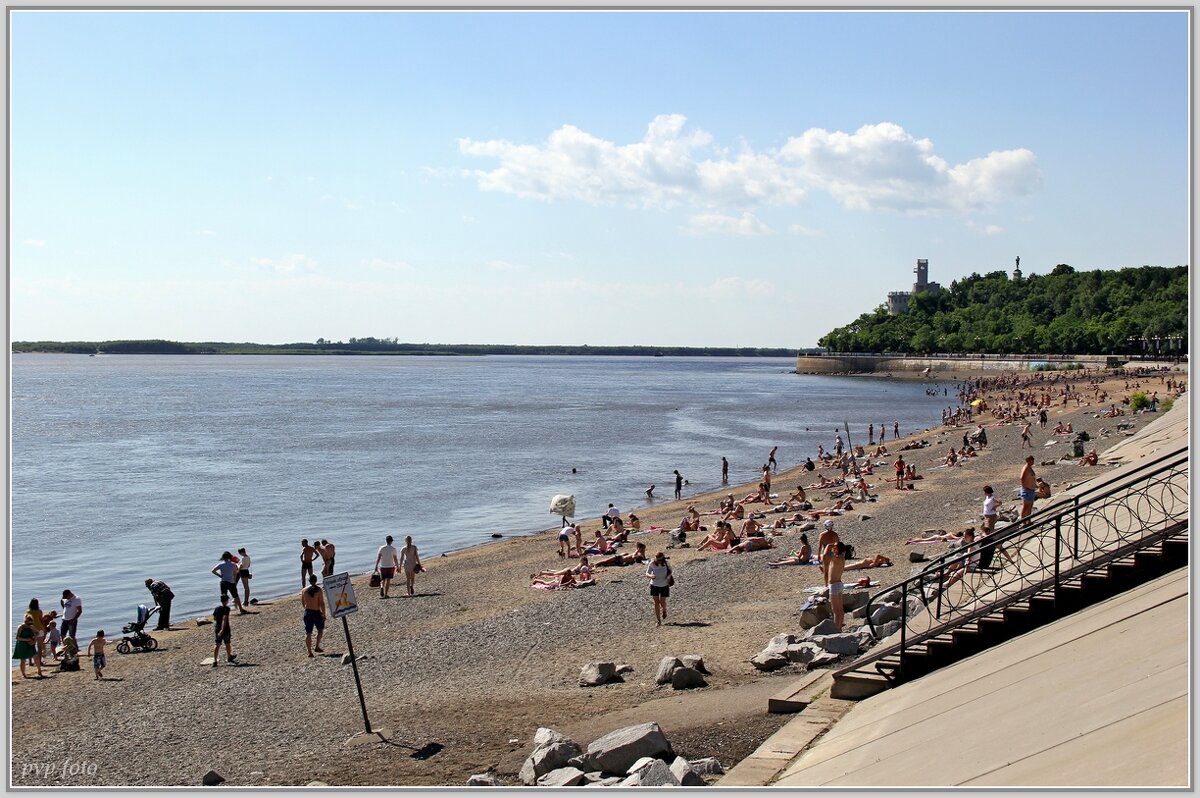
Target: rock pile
x,y
630,757
823,643
683,672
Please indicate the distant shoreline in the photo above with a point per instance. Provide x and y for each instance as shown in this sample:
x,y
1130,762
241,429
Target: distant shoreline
x,y
373,346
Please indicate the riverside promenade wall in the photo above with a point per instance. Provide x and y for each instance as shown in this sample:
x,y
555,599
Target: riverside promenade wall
x,y
850,363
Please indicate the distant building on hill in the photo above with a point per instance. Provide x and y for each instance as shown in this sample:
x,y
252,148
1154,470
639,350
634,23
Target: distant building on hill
x,y
897,301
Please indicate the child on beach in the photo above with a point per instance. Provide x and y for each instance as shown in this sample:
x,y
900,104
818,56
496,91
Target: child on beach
x,y
95,650
53,640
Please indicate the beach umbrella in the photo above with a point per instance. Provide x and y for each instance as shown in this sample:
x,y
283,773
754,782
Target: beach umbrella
x,y
563,505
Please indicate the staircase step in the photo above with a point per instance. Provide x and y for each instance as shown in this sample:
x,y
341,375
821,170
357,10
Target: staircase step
x,y
857,685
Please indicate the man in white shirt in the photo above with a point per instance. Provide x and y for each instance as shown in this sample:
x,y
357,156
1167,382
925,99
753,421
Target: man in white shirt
x,y
72,609
386,563
610,515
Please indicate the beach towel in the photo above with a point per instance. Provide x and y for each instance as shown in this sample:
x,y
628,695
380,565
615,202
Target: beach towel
x,y
542,586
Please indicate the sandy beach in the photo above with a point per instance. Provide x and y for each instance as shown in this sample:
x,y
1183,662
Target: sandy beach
x,y
461,675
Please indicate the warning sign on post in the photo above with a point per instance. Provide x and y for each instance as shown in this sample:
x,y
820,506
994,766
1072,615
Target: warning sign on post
x,y
339,595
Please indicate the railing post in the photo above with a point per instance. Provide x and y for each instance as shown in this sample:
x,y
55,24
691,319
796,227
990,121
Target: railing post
x,y
1076,546
903,625
1057,560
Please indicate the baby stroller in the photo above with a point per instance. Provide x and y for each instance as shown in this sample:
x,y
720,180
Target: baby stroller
x,y
134,636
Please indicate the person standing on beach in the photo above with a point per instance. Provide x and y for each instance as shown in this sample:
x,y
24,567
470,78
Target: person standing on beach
x,y
411,563
245,575
870,434
828,538
1025,440
307,555
386,564
724,471
1028,488
895,431
72,611
95,650
659,574
221,630
771,458
312,598
882,431
25,649
833,561
678,484
226,570
327,552
162,598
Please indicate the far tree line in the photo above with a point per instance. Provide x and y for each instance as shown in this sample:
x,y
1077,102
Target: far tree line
x,y
1127,311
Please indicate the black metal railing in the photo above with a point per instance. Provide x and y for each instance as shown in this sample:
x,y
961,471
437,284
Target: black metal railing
x,y
1043,553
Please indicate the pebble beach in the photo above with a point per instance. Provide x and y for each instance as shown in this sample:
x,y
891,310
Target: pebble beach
x,y
460,676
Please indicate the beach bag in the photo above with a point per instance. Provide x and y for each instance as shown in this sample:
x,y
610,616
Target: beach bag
x,y
69,664
849,552
670,578
375,580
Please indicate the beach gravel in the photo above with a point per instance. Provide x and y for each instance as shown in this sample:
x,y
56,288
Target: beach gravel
x,y
478,659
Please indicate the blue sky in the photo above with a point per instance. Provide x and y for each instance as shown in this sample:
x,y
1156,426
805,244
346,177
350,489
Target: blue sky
x,y
669,178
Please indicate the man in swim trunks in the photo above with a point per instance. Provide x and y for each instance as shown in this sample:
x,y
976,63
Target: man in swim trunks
x,y
307,555
564,539
1025,440
724,470
327,551
832,562
1028,488
678,484
386,563
312,598
771,458
828,538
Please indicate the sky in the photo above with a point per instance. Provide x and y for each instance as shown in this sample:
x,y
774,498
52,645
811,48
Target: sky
x,y
678,178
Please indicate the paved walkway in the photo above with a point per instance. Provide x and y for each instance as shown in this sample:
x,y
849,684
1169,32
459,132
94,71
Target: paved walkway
x,y
1097,699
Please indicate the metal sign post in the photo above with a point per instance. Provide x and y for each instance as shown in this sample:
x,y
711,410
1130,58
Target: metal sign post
x,y
339,596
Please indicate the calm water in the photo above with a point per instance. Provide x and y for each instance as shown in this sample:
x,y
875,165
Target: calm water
x,y
127,467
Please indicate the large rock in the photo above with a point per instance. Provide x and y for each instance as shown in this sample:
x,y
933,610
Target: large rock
x,y
814,615
892,597
915,606
802,652
708,766
825,627
641,764
694,661
617,750
686,678
885,612
665,668
840,644
684,774
657,775
482,780
779,642
551,751
595,674
886,630
606,781
211,779
767,660
853,599
822,659
561,777
916,556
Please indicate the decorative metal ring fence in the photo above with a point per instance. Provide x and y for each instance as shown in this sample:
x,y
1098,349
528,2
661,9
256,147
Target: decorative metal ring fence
x,y
1049,549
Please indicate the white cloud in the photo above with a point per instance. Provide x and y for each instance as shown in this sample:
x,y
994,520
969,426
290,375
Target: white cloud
x,y
34,242
878,167
289,264
381,265
985,229
801,230
707,223
504,266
